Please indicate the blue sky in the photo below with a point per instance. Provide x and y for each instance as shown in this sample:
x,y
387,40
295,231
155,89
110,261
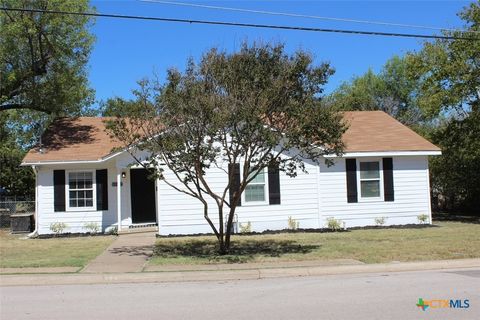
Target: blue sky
x,y
128,50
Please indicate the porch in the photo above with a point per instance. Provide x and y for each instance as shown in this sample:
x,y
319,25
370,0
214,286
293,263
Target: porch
x,y
136,201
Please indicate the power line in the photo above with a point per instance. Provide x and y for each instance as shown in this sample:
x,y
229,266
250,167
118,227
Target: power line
x,y
297,15
237,24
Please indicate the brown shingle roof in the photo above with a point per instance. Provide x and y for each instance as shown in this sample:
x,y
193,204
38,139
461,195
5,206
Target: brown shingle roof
x,y
84,138
74,139
372,131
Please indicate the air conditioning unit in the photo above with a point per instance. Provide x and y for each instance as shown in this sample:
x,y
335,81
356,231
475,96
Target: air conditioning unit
x,y
234,223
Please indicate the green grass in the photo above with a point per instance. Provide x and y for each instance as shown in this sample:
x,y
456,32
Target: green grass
x,y
56,252
445,240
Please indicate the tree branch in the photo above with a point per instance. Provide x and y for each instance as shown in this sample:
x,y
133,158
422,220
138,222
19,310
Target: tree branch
x,y
11,106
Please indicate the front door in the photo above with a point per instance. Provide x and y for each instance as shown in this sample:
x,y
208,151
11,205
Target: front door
x,y
142,191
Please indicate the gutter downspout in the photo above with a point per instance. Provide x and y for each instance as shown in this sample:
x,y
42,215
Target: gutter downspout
x,y
35,232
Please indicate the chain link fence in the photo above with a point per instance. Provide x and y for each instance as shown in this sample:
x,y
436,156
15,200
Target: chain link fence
x,y
9,206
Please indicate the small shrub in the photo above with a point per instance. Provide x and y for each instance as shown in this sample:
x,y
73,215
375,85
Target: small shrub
x,y
92,227
293,224
112,230
334,224
246,227
423,218
58,227
380,221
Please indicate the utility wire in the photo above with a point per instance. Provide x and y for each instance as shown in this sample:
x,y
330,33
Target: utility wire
x,y
297,15
237,24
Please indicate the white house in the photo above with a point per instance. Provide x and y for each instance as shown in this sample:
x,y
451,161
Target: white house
x,y
80,182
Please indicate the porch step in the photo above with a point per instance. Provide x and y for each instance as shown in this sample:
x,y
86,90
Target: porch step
x,y
139,230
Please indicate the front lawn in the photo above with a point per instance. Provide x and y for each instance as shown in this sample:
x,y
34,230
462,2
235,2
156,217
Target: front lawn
x,y
16,252
444,240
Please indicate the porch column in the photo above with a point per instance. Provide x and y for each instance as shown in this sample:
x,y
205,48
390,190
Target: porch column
x,y
119,200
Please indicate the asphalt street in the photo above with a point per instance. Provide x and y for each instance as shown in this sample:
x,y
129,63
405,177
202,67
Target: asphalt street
x,y
359,296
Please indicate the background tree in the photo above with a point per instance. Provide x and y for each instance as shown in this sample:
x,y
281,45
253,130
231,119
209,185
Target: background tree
x,y
258,108
13,179
449,69
449,73
43,61
118,106
43,57
391,90
455,175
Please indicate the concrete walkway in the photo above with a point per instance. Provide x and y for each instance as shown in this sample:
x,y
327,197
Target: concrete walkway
x,y
128,253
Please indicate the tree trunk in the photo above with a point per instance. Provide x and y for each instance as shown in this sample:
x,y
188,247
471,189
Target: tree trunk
x,y
222,248
13,106
228,234
225,232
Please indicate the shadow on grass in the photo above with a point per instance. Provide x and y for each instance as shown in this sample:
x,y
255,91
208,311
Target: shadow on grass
x,y
242,251
456,218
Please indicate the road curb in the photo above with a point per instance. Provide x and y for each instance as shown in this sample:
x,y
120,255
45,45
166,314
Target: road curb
x,y
228,275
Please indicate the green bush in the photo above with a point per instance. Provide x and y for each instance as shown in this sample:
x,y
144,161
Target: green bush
x,y
58,227
334,224
92,227
293,224
423,218
246,227
380,221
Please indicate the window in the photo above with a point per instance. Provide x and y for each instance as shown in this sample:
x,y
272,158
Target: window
x,y
370,179
80,190
255,190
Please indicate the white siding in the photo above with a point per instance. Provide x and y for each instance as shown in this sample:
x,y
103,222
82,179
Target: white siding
x,y
310,198
183,214
412,196
75,220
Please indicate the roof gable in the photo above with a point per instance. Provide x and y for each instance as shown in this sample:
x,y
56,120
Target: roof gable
x,y
376,131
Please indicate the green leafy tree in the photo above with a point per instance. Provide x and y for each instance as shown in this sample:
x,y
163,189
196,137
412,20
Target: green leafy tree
x,y
117,106
43,61
43,57
258,107
13,180
449,74
391,90
449,70
455,175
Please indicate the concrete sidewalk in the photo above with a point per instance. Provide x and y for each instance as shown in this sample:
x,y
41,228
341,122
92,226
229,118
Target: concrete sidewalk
x,y
128,253
243,274
250,265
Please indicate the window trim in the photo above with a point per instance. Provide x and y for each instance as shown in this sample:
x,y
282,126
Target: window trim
x,y
266,201
359,182
67,193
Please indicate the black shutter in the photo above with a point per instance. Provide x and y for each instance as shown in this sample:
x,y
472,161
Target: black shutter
x,y
235,185
101,179
388,179
351,166
273,185
58,190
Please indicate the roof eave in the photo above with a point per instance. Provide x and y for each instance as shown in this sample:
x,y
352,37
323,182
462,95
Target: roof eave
x,y
55,162
353,154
